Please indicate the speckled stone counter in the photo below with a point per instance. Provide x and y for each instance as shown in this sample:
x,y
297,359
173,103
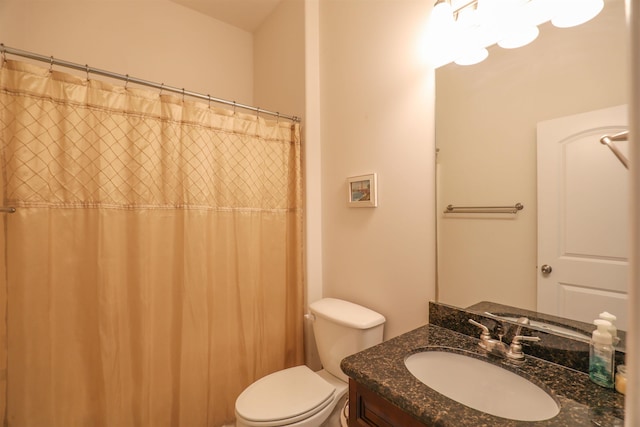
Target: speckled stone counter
x,y
572,352
381,369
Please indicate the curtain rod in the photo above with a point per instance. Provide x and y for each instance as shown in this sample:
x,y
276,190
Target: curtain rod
x,y
161,86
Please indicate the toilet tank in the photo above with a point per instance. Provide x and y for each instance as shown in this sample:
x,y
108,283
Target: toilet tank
x,y
342,328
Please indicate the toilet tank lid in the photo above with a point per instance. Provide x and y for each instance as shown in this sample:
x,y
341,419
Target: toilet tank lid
x,y
346,313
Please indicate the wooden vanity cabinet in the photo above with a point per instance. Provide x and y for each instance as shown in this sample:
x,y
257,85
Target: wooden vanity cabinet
x,y
366,408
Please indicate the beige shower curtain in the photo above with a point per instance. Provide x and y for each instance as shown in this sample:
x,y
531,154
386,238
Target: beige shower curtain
x,y
153,265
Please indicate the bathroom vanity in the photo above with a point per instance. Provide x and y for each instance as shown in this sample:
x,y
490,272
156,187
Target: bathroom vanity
x,y
382,391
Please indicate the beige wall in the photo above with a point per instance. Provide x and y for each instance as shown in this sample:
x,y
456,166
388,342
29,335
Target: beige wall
x,y
313,152
394,243
282,46
377,116
278,59
154,40
280,86
366,98
486,118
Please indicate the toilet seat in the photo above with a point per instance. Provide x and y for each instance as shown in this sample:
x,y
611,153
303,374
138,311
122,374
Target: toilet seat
x,y
284,397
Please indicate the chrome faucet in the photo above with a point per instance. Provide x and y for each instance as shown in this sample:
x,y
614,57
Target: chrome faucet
x,y
499,348
492,345
515,349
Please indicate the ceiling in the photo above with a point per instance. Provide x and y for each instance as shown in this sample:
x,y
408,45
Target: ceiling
x,y
244,14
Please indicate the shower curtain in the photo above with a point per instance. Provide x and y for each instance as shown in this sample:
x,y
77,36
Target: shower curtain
x,y
154,261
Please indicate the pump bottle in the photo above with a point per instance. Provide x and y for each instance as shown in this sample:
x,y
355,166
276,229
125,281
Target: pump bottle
x,y
605,315
601,355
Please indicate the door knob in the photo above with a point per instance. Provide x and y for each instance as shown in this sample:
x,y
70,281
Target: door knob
x,y
546,269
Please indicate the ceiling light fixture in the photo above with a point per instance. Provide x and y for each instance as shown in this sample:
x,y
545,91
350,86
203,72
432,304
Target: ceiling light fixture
x,y
461,30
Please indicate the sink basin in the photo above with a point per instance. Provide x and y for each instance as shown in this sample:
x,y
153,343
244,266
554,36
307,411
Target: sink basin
x,y
482,386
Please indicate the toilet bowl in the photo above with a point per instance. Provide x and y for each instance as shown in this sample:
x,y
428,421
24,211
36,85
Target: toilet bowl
x,y
300,397
344,414
292,397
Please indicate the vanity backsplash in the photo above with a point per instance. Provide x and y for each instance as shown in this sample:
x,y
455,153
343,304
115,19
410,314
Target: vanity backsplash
x,y
562,347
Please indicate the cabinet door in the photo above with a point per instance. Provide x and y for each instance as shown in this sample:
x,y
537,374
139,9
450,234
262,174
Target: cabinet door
x,y
367,408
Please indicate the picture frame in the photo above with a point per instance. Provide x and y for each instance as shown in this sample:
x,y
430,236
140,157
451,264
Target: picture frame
x,y
362,191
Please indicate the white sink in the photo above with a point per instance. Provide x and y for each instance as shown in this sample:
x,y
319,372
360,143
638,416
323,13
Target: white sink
x,y
482,386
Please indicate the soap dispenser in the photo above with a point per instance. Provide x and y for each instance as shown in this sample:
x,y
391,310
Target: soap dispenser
x,y
601,355
605,315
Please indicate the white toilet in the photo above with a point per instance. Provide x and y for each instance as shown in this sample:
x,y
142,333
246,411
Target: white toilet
x,y
299,397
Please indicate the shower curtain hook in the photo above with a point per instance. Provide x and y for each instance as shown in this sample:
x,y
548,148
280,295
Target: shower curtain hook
x,y
182,94
86,67
51,64
126,82
234,108
257,112
209,96
277,117
161,88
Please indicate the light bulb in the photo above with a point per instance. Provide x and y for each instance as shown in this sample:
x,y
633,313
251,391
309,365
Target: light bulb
x,y
440,34
570,13
472,56
522,37
505,22
490,10
540,11
442,15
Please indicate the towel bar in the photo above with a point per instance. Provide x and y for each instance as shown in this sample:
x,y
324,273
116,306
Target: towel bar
x,y
485,209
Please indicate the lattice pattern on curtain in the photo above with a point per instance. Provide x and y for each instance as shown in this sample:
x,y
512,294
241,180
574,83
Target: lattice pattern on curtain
x,y
154,263
92,152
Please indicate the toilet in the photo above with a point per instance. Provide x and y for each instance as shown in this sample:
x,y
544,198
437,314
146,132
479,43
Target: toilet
x,y
300,397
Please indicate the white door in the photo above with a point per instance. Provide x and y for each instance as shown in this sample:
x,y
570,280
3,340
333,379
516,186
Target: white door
x,y
583,226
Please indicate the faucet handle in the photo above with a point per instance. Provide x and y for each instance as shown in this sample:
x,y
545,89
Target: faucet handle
x,y
515,349
484,335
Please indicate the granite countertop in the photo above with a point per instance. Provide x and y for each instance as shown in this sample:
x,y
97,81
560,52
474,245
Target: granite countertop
x,y
583,328
381,368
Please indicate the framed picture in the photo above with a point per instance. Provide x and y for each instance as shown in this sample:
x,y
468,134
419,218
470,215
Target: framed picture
x,y
362,191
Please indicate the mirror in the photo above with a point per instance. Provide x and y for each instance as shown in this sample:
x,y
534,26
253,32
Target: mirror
x,y
486,117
